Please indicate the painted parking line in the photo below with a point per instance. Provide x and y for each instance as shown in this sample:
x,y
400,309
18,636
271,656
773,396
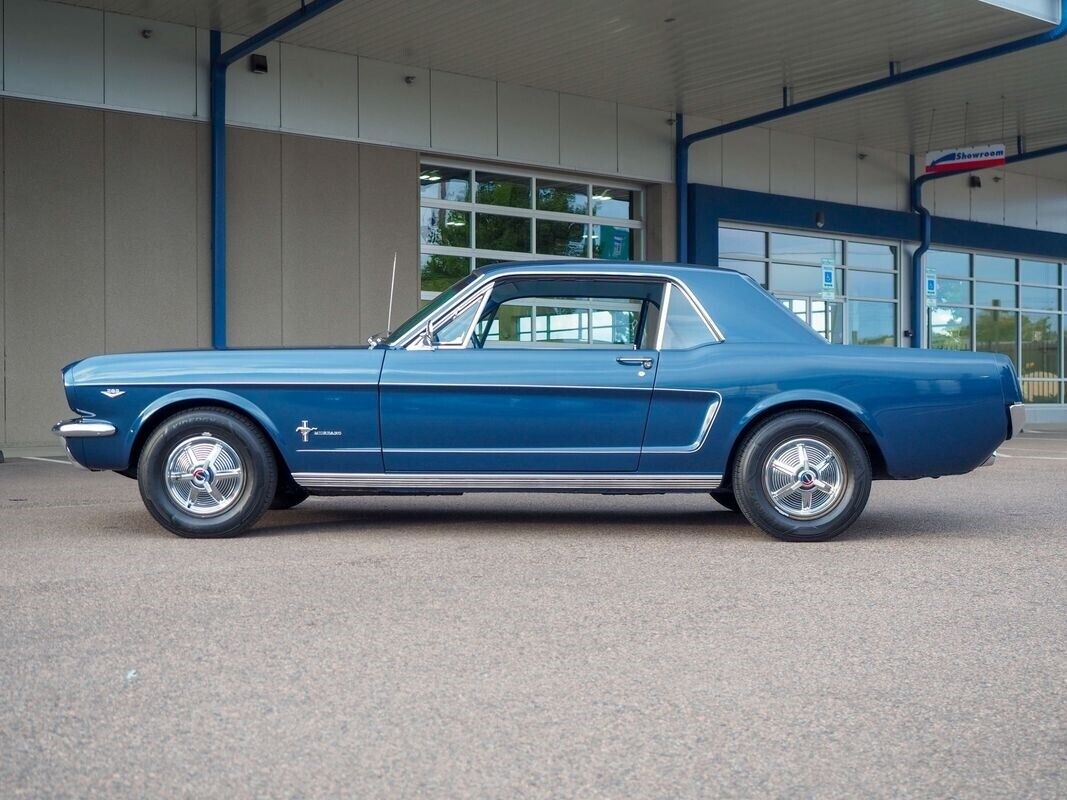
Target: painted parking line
x,y
63,461
1032,458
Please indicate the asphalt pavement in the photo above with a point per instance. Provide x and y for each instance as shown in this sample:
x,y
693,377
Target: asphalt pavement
x,y
514,646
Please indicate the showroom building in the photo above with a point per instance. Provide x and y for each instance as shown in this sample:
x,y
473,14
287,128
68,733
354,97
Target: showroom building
x,y
453,135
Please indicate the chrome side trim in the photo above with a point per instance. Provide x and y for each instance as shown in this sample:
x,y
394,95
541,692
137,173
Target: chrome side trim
x,y
474,482
1017,414
696,444
990,461
553,386
79,428
511,450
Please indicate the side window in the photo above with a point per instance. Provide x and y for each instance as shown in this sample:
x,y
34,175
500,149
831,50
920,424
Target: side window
x,y
569,313
684,328
453,332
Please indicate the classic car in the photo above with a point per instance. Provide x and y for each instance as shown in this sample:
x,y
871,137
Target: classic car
x,y
616,378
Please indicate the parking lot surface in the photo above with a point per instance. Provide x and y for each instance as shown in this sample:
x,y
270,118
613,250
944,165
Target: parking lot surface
x,y
537,645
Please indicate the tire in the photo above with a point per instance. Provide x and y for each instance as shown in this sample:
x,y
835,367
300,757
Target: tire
x,y
803,476
726,499
288,495
207,473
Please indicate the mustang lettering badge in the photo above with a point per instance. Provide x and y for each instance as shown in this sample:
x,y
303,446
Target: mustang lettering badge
x,y
111,394
304,430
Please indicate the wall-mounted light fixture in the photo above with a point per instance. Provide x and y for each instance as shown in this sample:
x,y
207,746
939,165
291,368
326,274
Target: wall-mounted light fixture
x,y
820,219
409,79
257,63
974,182
146,33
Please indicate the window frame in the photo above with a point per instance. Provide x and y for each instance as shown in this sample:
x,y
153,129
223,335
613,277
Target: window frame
x,y
472,252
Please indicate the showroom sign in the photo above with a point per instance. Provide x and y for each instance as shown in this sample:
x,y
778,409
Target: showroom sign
x,y
965,158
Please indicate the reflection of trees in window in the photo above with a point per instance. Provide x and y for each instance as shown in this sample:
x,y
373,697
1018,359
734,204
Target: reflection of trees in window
x,y
950,328
439,272
995,332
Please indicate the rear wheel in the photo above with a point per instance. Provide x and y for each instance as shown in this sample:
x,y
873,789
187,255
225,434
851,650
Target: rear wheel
x,y
802,476
207,473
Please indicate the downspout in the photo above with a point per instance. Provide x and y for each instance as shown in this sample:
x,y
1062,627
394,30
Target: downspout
x,y
220,62
894,78
918,276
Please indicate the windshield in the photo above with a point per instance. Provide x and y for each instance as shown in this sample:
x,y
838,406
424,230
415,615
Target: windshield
x,y
431,308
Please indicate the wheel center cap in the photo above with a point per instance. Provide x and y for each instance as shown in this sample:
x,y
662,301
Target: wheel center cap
x,y
806,478
201,475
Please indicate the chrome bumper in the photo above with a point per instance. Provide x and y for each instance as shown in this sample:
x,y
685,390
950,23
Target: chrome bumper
x,y
990,461
1017,415
83,428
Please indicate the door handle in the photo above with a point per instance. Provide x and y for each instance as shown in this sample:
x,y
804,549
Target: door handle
x,y
635,361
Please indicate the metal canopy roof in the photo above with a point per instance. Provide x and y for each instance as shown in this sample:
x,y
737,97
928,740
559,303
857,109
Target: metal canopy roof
x,y
723,59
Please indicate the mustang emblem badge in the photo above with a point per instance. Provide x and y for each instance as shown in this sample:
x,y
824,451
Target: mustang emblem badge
x,y
111,394
304,430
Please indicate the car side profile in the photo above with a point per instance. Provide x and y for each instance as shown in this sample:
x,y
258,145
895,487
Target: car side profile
x,y
615,378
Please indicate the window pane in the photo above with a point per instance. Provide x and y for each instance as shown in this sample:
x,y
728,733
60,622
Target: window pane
x,y
953,292
561,238
995,332
949,328
993,268
994,294
445,227
513,323
685,328
735,243
1039,272
1038,297
789,278
496,189
946,262
610,241
566,198
872,323
826,319
1041,346
561,324
616,326
808,249
439,272
757,269
608,202
454,331
485,262
871,284
445,183
1041,391
875,256
499,232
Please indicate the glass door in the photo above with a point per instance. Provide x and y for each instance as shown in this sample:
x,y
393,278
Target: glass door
x,y
825,316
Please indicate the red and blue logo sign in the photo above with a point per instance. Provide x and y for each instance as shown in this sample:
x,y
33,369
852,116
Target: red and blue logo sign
x,y
965,158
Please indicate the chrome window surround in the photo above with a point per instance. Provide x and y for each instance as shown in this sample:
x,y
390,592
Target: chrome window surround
x,y
485,284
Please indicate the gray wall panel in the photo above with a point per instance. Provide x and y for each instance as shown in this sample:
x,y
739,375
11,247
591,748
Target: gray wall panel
x,y
3,288
54,254
203,236
150,232
320,241
254,289
388,223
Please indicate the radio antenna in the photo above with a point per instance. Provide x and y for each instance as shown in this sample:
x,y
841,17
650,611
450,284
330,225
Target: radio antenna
x,y
392,286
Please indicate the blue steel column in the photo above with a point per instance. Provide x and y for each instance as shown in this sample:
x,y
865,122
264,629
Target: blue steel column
x,y
218,193
895,78
220,61
681,190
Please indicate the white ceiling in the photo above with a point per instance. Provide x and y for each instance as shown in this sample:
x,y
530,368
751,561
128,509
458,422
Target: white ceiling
x,y
724,59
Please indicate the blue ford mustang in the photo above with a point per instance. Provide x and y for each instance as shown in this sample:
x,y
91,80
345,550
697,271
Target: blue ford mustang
x,y
561,377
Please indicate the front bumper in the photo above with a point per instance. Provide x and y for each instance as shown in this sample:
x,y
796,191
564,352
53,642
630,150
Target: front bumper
x,y
1016,419
79,428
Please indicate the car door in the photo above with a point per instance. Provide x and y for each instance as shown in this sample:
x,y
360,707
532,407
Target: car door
x,y
552,376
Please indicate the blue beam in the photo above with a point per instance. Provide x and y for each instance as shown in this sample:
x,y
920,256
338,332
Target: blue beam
x,y
895,78
220,61
918,274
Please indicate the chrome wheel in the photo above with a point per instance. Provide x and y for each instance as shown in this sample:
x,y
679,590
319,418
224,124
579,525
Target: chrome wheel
x,y
804,478
204,475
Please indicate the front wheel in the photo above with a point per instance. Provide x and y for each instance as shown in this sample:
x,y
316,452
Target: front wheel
x,y
802,476
207,473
